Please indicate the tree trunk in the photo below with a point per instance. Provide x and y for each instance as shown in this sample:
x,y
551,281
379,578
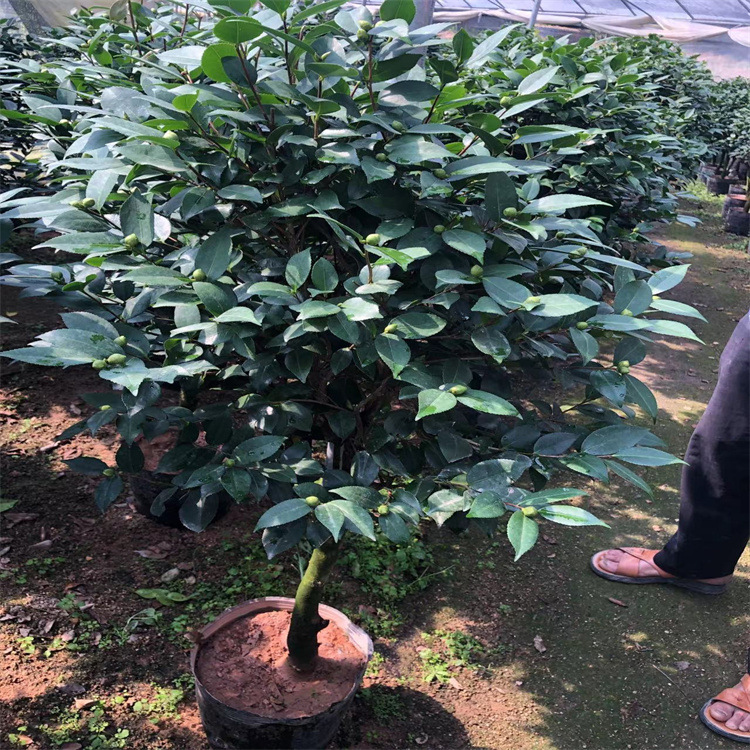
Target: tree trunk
x,y
302,640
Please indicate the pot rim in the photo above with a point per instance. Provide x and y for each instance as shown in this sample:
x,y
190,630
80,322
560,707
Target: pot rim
x,y
356,635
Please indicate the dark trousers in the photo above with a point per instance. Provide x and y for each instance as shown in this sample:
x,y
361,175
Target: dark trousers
x,y
714,525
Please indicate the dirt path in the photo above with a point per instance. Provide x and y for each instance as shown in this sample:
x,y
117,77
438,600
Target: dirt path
x,y
77,669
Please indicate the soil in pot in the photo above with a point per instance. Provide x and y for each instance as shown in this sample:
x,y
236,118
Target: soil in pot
x,y
244,665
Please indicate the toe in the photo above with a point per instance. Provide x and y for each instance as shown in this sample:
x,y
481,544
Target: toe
x,y
745,725
734,721
721,711
610,560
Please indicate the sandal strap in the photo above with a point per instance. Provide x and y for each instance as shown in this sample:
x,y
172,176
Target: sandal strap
x,y
629,564
739,697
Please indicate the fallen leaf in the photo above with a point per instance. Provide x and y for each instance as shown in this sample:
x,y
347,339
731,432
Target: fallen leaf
x,y
630,711
454,683
81,704
421,739
15,518
539,644
151,553
682,665
549,539
46,544
617,602
170,575
72,688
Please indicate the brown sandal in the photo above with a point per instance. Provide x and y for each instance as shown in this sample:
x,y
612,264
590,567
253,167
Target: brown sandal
x,y
628,567
739,697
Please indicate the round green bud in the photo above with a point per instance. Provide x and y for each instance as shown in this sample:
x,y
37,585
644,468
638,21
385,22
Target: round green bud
x,y
362,35
109,472
656,296
98,364
510,212
582,325
398,125
391,328
532,300
440,173
121,340
57,276
325,55
76,204
312,501
438,228
170,135
105,407
624,363
229,462
627,313
198,275
458,390
372,239
117,359
505,101
88,202
383,510
529,511
476,272
131,240
381,157
64,123
579,252
560,235
623,370
366,25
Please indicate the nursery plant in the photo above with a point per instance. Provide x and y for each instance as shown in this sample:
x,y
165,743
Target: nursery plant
x,y
380,299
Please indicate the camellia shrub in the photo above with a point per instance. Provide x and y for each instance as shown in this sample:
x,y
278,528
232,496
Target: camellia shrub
x,y
365,288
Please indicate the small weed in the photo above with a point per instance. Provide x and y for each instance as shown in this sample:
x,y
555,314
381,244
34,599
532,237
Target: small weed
x,y
26,644
162,706
504,609
385,704
40,567
465,649
435,667
376,664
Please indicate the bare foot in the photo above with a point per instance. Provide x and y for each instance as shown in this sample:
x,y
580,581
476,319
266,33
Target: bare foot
x,y
731,717
611,559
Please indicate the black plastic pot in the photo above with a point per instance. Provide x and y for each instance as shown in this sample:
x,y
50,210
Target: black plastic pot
x,y
732,202
737,221
718,186
148,484
231,729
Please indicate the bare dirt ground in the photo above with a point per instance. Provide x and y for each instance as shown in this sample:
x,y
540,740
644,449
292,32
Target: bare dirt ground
x,y
472,649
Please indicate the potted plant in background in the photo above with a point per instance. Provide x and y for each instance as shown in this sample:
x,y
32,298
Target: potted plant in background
x,y
325,247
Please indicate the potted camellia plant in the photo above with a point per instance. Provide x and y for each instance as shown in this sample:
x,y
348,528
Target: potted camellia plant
x,y
324,246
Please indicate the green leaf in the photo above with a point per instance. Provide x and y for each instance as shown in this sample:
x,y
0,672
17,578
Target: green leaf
x,y
299,362
610,384
393,351
366,497
156,276
237,483
570,515
537,80
591,466
357,308
107,491
559,305
391,9
356,518
214,254
639,393
197,512
237,30
216,298
676,308
609,440
522,533
241,193
499,193
560,202
130,458
330,515
545,497
672,328
298,269
419,325
488,403
324,276
433,401
212,61
487,505
635,296
394,528
258,448
283,513
506,292
585,343
630,476
443,504
311,309
453,446
137,217
463,45
643,456
469,243
667,278
483,51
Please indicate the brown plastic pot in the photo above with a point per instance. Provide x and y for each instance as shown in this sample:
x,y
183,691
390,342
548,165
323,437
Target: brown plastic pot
x,y
229,728
737,221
